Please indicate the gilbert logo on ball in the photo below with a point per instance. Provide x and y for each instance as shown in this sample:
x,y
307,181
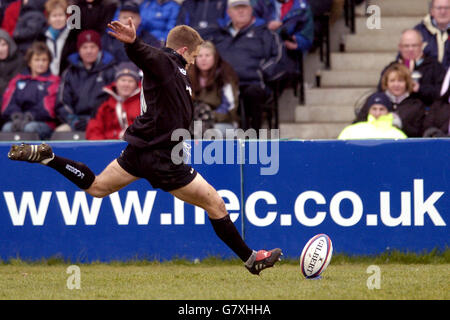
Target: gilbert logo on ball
x,y
316,256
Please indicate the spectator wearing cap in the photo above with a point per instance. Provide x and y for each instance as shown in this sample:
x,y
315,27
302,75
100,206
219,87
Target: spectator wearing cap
x,y
379,123
435,31
130,9
425,70
398,85
159,17
120,109
29,101
201,14
81,90
254,52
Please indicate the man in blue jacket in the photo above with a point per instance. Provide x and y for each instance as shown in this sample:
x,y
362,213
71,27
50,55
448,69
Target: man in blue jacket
x,y
81,91
434,29
254,52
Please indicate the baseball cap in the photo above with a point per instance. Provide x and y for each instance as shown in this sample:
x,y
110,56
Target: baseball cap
x,y
233,3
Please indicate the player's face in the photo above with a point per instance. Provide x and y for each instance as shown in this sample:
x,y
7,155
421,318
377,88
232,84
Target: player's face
x,y
410,46
57,18
396,85
441,11
190,57
205,59
89,52
39,64
4,49
125,86
378,110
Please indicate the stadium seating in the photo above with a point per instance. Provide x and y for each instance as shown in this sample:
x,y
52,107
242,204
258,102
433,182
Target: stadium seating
x,y
18,136
72,135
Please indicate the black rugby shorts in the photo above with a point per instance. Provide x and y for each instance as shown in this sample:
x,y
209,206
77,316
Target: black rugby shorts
x,y
157,167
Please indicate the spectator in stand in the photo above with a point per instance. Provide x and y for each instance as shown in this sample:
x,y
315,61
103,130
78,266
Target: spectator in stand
x,y
11,61
398,85
319,9
25,20
254,52
437,120
214,89
434,29
130,9
3,5
379,123
202,14
426,71
81,91
122,107
56,34
159,17
29,101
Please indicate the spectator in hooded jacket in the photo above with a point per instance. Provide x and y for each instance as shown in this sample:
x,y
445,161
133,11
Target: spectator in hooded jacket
x,y
434,29
379,123
254,53
81,90
398,85
202,14
122,107
11,61
130,9
215,87
29,101
426,71
159,17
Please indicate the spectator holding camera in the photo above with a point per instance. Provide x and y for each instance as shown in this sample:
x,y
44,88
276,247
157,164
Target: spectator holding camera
x,y
434,29
122,107
426,71
81,91
29,101
214,90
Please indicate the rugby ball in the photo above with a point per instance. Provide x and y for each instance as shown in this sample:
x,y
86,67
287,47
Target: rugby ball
x,y
316,255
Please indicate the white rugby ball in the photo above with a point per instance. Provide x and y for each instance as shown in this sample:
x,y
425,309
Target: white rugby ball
x,y
316,255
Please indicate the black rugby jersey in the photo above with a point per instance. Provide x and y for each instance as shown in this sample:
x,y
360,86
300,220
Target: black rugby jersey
x,y
166,103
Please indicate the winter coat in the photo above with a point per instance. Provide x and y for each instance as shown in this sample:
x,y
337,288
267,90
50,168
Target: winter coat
x,y
36,95
96,15
298,21
12,65
107,125
254,52
438,45
81,91
200,14
433,74
439,115
381,128
58,47
159,17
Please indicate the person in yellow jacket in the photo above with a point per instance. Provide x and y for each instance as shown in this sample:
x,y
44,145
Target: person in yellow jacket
x,y
379,124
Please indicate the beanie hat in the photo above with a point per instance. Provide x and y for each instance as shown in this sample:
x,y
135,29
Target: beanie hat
x,y
127,69
380,98
89,36
131,6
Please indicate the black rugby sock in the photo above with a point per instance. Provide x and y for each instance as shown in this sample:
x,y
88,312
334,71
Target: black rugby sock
x,y
75,171
227,232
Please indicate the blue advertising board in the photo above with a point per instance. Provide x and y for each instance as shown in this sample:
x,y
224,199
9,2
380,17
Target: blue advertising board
x,y
368,196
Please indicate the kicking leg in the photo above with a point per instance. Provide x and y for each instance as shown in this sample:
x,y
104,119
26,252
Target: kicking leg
x,y
200,193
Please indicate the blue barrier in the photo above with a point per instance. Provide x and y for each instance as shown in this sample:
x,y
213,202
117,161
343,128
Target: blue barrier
x,y
368,196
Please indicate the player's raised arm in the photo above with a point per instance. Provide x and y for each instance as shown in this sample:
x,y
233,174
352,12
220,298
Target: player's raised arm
x,y
123,32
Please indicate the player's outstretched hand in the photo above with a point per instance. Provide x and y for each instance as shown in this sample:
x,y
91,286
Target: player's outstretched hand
x,y
123,32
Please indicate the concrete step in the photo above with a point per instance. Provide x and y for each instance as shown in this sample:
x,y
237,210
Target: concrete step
x,y
361,61
372,43
388,25
401,7
319,114
309,131
350,78
336,96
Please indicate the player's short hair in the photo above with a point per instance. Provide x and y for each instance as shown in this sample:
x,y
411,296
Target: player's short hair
x,y
183,36
402,72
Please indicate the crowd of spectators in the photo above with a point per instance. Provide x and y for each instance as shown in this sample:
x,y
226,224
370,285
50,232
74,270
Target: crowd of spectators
x,y
417,81
77,82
